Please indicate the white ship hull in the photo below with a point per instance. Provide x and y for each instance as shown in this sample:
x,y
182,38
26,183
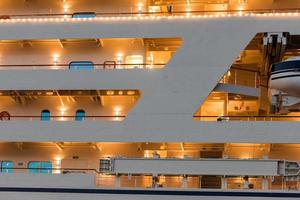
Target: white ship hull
x,y
79,194
157,142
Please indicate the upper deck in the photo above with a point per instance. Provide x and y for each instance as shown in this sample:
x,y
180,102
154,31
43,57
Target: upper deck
x,y
206,45
15,9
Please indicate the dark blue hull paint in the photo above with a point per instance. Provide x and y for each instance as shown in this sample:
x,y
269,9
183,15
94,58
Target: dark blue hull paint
x,y
153,192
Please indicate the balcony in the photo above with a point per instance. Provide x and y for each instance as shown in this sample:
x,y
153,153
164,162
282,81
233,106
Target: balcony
x,y
72,105
245,93
150,165
88,54
90,10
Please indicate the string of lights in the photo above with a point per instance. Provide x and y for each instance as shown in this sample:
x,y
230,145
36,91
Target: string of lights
x,y
143,18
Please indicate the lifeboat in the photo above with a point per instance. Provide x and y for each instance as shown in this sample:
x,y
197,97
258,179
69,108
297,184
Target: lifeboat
x,y
285,77
285,85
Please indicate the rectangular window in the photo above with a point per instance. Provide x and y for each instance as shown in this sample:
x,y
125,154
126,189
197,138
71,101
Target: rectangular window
x,y
105,165
7,166
81,65
44,167
84,15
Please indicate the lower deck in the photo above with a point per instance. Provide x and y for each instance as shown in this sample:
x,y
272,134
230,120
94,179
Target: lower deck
x,y
178,166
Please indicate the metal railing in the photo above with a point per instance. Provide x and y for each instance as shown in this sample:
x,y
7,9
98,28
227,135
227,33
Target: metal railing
x,y
64,118
243,77
48,169
68,67
143,181
247,118
148,13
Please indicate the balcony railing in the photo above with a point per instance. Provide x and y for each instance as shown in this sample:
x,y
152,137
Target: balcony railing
x,y
247,118
242,77
103,180
218,13
81,67
63,118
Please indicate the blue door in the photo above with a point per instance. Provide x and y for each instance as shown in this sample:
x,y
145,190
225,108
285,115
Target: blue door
x,y
80,115
45,115
81,65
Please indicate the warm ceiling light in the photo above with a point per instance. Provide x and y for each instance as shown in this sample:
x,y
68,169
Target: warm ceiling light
x,y
120,92
117,109
66,8
119,58
117,113
62,109
110,92
62,113
55,59
140,7
130,92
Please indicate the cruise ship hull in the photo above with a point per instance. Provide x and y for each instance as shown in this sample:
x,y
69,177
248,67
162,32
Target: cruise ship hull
x,y
148,105
91,194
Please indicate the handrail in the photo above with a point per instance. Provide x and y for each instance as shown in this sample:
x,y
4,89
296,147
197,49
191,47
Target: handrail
x,y
52,168
244,116
243,69
255,11
66,66
247,118
67,116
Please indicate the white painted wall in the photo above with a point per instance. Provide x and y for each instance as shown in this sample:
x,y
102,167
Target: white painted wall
x,y
201,166
38,196
47,180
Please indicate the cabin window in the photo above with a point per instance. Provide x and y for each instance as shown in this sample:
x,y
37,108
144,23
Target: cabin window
x,y
44,167
45,115
81,65
84,15
80,115
7,166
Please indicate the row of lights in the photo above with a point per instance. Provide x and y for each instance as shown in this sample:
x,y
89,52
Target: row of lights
x,y
120,92
187,16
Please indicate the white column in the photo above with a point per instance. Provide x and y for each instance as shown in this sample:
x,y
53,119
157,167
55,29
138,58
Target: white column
x,y
200,180
264,183
118,181
224,183
184,181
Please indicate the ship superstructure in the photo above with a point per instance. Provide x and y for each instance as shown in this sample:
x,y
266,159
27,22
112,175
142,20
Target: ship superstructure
x,y
149,99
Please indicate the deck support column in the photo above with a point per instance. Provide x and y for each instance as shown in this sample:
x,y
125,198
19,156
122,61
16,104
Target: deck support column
x,y
184,181
264,183
118,181
224,183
